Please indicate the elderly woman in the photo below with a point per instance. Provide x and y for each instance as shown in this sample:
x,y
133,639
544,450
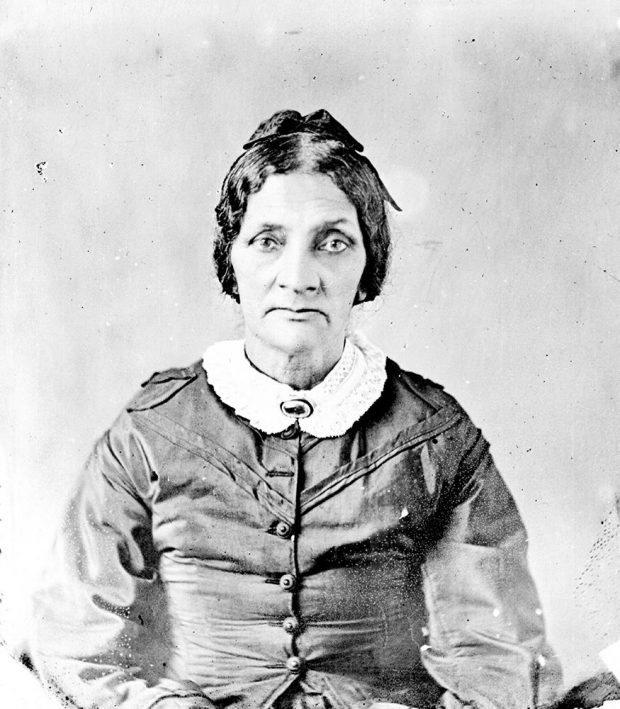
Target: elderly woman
x,y
294,522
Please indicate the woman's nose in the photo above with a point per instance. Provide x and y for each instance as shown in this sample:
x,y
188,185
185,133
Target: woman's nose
x,y
297,271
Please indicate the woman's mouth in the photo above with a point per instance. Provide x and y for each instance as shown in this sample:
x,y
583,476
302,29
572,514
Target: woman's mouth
x,y
298,313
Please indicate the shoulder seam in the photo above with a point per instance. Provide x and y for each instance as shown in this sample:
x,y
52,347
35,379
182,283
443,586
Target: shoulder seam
x,y
163,386
429,391
173,373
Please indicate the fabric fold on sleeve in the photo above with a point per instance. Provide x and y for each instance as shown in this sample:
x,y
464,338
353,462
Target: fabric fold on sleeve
x,y
100,638
486,643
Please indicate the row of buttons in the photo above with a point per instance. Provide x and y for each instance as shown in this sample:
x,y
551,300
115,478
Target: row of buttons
x,y
291,624
296,408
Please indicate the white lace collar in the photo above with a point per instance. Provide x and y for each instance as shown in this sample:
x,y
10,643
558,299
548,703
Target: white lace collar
x,y
346,393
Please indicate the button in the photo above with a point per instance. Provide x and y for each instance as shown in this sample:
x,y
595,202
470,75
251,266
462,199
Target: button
x,y
283,529
287,582
297,408
291,625
293,664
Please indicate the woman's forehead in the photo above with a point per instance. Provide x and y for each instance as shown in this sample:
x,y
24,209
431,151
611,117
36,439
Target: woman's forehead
x,y
299,195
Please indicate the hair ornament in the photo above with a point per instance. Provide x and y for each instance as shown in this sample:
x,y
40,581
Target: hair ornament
x,y
319,122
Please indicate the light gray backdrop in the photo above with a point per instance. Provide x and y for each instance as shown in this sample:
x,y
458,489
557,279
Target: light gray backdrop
x,y
495,125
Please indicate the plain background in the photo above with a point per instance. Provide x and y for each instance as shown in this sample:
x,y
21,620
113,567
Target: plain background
x,y
495,125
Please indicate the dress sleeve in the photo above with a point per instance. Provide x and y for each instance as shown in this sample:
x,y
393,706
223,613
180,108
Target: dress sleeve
x,y
486,638
99,633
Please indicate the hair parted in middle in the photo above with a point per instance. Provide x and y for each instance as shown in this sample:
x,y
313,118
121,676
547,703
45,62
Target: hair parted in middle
x,y
289,142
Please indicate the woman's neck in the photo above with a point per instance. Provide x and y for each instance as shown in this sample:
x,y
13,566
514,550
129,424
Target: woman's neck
x,y
300,370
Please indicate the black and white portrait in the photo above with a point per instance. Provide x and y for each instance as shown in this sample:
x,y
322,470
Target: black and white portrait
x,y
310,335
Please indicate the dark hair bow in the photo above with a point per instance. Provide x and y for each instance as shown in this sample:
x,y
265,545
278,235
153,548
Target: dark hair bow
x,y
319,122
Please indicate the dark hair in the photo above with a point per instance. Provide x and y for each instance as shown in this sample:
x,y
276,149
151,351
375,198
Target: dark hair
x,y
317,143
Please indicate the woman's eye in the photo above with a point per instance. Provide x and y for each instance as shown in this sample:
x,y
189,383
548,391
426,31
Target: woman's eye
x,y
334,246
266,242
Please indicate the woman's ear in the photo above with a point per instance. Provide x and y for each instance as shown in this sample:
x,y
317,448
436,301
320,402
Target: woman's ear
x,y
360,296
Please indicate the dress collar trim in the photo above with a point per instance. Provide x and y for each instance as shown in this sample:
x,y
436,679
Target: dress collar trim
x,y
341,399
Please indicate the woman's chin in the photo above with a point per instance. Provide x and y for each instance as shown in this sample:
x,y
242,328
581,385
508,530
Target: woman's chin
x,y
298,344
298,338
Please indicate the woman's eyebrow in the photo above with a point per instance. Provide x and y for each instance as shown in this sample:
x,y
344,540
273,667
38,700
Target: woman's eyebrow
x,y
331,223
267,226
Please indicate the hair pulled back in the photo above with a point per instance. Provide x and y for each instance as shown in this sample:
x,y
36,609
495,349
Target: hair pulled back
x,y
314,144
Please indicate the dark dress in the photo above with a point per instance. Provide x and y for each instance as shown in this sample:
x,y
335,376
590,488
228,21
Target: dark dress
x,y
205,563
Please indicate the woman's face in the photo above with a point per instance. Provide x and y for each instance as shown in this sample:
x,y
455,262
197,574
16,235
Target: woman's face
x,y
298,260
